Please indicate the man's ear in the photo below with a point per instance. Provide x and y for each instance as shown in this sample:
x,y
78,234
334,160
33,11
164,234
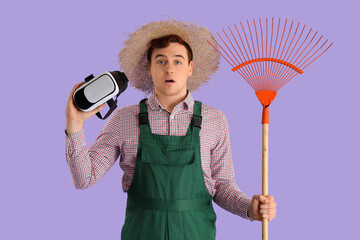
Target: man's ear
x,y
148,67
190,68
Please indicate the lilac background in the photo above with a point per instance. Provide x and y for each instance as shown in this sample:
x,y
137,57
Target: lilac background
x,y
48,46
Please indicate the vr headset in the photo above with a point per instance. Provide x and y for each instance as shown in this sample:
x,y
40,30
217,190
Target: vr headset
x,y
100,89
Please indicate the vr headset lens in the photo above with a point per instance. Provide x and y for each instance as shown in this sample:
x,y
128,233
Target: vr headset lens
x,y
102,86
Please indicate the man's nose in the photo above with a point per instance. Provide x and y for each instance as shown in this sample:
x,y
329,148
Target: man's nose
x,y
169,68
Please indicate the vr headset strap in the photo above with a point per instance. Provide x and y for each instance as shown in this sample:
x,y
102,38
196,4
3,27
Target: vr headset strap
x,y
112,105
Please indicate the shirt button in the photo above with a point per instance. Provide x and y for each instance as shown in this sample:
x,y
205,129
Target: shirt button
x,y
172,117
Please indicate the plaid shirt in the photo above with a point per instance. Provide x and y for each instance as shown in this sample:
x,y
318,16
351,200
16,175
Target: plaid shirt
x,y
120,137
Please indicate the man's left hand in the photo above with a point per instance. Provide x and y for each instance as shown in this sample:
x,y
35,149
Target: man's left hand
x,y
262,207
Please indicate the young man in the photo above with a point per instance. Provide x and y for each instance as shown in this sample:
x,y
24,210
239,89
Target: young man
x,y
174,151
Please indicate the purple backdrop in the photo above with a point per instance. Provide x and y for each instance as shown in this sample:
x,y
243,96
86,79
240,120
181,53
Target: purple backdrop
x,y
48,46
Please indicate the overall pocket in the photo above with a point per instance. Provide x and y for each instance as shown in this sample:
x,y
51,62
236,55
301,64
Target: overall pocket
x,y
167,172
168,155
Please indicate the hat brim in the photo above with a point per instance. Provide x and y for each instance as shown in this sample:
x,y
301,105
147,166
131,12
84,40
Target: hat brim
x,y
133,56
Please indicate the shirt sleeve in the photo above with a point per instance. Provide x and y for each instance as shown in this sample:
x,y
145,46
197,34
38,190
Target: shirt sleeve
x,y
88,165
228,195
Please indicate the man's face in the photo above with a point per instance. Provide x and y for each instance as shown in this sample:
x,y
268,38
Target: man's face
x,y
169,70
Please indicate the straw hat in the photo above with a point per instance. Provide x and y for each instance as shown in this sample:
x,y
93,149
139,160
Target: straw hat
x,y
133,57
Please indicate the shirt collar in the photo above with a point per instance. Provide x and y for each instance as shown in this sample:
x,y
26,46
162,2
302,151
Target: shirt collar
x,y
186,104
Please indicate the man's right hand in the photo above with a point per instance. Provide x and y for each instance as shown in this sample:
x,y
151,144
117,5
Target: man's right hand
x,y
74,117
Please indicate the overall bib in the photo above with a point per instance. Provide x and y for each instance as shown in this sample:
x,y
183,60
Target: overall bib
x,y
168,199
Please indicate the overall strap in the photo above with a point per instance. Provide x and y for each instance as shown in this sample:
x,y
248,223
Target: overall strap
x,y
144,117
197,118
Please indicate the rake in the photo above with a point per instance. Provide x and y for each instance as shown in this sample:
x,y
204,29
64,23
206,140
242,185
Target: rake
x,y
275,55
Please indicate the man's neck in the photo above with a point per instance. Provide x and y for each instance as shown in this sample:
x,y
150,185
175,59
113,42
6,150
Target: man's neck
x,y
170,102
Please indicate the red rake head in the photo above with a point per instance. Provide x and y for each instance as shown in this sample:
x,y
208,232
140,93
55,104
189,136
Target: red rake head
x,y
273,58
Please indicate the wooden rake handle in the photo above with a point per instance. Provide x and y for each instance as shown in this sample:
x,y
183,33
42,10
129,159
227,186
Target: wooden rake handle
x,y
265,97
265,170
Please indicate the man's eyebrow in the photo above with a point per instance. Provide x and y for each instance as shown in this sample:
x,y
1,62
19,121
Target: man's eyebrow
x,y
179,56
160,55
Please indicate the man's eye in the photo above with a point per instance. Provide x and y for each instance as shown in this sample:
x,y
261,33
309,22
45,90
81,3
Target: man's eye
x,y
161,62
177,62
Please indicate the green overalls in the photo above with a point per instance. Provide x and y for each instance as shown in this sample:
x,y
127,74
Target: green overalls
x,y
168,199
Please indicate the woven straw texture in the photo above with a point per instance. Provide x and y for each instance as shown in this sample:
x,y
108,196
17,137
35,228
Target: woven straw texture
x,y
133,60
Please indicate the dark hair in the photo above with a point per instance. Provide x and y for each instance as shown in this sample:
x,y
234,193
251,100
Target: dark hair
x,y
164,42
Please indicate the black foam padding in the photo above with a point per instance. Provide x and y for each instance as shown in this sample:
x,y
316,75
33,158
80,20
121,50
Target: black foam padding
x,y
81,101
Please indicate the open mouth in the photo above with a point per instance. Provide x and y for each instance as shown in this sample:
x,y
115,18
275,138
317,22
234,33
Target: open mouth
x,y
169,80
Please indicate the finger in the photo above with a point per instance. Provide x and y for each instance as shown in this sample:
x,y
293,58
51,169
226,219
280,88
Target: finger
x,y
256,197
255,201
263,199
98,109
76,86
268,217
268,211
271,198
70,107
268,205
73,90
